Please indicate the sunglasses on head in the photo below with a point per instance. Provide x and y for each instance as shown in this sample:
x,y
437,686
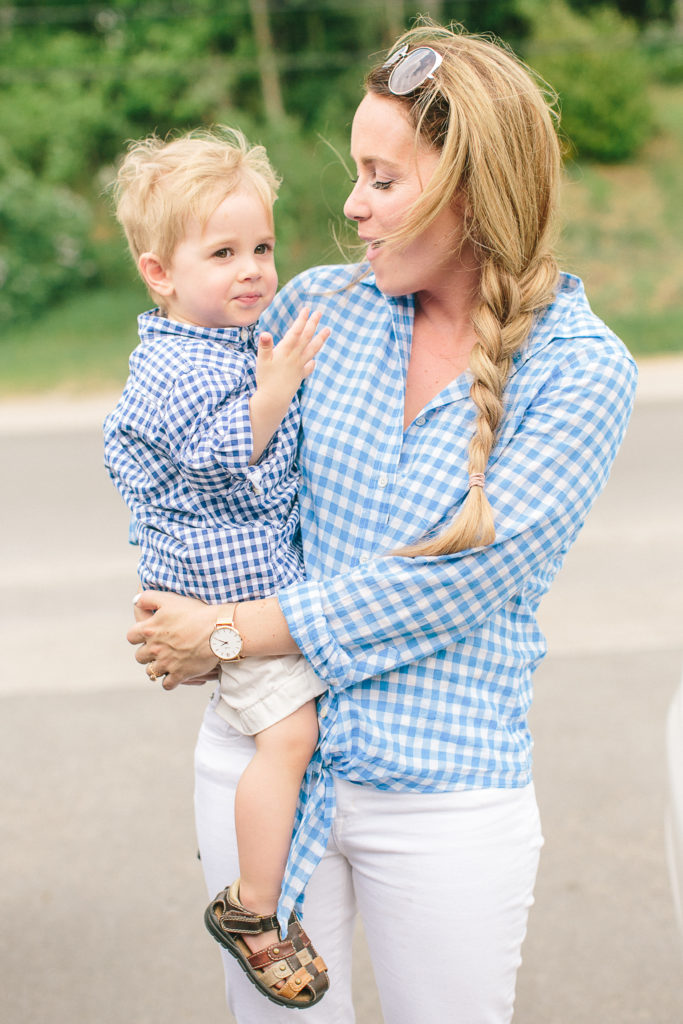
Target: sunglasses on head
x,y
411,70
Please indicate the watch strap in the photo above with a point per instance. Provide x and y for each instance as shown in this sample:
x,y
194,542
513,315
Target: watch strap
x,y
230,619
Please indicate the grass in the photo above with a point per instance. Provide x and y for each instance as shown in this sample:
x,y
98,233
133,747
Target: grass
x,y
622,230
80,346
622,234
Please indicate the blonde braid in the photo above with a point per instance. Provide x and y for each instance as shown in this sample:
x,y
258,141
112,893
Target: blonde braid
x,y
490,364
502,323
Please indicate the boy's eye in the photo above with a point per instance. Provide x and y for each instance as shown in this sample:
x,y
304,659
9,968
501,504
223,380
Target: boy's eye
x,y
262,249
223,254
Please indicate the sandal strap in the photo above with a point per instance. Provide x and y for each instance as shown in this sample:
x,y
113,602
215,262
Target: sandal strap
x,y
271,954
234,917
295,985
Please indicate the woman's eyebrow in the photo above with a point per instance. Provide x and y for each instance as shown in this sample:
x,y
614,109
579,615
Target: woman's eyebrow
x,y
370,161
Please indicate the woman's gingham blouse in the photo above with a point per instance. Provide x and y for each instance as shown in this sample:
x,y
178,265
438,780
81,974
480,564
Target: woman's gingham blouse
x,y
429,660
178,446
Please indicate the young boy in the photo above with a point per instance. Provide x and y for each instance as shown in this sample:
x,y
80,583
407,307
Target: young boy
x,y
201,446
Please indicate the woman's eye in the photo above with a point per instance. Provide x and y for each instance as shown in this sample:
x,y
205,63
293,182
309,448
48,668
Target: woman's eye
x,y
382,184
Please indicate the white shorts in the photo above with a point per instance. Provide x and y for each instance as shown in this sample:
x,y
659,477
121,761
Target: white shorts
x,y
258,692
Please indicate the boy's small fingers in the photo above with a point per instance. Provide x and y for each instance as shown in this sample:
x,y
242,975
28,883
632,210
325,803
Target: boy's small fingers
x,y
317,342
311,325
265,340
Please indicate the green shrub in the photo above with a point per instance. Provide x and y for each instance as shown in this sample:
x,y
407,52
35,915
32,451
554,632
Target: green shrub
x,y
664,50
597,67
44,241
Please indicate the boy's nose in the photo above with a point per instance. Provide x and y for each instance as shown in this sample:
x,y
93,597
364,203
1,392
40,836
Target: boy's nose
x,y
250,268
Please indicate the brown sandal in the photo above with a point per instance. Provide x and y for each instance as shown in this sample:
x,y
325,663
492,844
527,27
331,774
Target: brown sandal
x,y
292,960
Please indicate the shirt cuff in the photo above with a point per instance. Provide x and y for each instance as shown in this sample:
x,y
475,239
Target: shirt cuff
x,y
302,605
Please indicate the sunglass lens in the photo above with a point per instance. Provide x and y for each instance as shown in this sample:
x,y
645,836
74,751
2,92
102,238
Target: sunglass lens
x,y
413,70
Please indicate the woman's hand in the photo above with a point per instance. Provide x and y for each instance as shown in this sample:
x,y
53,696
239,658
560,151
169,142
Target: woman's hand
x,y
173,634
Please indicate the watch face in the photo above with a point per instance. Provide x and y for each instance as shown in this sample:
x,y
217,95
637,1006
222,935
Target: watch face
x,y
226,643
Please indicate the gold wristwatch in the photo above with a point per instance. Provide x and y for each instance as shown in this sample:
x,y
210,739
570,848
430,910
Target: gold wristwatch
x,y
226,640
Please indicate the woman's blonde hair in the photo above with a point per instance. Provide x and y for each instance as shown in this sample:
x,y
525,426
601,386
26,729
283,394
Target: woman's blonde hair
x,y
500,161
162,184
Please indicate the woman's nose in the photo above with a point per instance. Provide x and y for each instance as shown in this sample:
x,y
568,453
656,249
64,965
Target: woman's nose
x,y
354,208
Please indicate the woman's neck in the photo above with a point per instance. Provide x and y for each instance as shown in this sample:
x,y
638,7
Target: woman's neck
x,y
443,338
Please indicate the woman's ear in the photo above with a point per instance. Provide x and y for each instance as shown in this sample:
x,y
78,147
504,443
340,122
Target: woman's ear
x,y
153,273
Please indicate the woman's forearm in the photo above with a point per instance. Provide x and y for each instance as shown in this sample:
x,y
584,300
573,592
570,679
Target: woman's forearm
x,y
263,627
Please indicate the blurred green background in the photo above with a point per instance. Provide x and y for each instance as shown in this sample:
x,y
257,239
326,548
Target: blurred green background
x,y
77,80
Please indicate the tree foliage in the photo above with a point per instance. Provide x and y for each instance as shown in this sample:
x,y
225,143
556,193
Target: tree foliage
x,y
78,80
600,74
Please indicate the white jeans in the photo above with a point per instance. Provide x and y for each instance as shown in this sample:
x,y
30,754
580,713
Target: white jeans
x,y
443,883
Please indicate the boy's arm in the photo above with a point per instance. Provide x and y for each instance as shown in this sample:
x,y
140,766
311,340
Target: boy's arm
x,y
204,432
279,372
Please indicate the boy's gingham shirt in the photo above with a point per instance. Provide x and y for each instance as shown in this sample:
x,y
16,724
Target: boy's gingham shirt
x,y
178,446
429,660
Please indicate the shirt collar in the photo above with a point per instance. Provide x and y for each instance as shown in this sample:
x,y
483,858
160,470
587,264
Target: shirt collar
x,y
569,298
154,325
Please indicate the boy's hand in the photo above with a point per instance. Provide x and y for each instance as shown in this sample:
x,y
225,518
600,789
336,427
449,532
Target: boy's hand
x,y
280,370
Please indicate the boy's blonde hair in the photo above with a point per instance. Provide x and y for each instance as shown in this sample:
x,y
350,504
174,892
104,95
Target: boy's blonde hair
x,y
494,126
162,184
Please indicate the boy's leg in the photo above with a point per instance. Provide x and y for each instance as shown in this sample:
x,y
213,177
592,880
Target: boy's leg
x,y
265,804
329,911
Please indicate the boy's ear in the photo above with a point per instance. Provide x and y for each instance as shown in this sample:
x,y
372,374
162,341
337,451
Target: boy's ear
x,y
154,275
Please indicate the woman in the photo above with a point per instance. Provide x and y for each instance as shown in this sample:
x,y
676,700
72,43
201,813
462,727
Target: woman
x,y
461,420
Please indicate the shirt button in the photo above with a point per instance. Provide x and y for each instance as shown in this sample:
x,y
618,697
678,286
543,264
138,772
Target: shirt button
x,y
420,421
244,334
364,558
383,481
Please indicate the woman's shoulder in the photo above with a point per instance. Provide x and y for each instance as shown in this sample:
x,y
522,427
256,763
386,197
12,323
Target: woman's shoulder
x,y
330,273
326,279
568,330
326,288
572,350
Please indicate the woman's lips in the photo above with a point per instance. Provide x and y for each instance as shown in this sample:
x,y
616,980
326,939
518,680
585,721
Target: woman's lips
x,y
373,249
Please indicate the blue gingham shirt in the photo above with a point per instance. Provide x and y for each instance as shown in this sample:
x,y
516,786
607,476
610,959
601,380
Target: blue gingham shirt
x,y
429,660
178,446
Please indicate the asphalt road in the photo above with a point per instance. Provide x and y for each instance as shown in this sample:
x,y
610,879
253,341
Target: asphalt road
x,y
102,897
